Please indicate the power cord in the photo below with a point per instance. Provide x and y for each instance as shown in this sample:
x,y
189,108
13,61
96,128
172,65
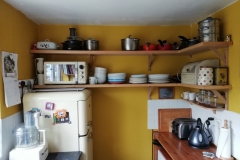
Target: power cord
x,y
22,85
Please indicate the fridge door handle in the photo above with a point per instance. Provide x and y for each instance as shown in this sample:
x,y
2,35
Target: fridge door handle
x,y
83,134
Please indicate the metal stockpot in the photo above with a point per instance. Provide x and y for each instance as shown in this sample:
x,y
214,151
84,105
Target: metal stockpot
x,y
130,44
211,37
209,22
91,44
204,30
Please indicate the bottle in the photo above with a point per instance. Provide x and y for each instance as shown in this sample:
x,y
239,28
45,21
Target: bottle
x,y
201,96
207,97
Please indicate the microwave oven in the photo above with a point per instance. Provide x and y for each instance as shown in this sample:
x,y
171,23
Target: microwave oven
x,y
65,72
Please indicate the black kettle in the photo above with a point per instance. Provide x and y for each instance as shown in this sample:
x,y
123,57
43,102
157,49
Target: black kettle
x,y
198,137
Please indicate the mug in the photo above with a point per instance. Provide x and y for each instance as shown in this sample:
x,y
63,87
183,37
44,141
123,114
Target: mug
x,y
191,96
92,80
40,78
184,95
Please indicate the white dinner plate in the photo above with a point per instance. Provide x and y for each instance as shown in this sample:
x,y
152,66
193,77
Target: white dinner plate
x,y
137,82
158,81
138,75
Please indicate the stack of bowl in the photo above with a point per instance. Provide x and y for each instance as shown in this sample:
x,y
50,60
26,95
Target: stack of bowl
x,y
101,74
116,78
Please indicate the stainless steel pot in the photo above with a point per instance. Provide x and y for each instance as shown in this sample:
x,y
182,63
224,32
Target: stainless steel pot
x,y
211,37
130,44
209,22
91,44
204,30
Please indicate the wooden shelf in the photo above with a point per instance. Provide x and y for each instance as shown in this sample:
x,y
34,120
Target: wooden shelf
x,y
126,85
214,109
195,49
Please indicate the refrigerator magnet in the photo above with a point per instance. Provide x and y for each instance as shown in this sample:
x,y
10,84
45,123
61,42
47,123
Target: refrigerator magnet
x,y
61,116
49,106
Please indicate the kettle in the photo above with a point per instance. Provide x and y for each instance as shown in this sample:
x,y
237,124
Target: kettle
x,y
198,137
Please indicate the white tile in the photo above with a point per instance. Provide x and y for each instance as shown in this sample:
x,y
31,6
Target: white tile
x,y
159,103
151,109
166,104
236,146
174,103
151,103
151,125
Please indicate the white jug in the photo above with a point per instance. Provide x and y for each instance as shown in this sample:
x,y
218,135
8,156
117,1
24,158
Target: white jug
x,y
39,65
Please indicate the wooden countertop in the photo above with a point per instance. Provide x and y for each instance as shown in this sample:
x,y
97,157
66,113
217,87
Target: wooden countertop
x,y
179,149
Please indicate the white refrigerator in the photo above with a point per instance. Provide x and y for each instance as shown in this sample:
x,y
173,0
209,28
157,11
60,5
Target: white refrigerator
x,y
67,118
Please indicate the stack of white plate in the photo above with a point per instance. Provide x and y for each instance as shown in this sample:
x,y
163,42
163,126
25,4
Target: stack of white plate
x,y
158,78
138,78
101,74
116,78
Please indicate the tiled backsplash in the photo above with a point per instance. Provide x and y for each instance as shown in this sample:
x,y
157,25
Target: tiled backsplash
x,y
198,112
6,139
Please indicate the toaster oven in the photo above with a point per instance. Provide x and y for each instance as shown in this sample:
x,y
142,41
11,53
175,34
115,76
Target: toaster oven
x,y
65,72
190,71
182,127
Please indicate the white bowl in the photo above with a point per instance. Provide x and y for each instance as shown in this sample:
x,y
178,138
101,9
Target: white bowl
x,y
117,74
96,74
138,75
100,69
101,80
158,76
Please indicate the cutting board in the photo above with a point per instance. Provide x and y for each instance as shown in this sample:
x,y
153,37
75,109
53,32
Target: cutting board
x,y
167,115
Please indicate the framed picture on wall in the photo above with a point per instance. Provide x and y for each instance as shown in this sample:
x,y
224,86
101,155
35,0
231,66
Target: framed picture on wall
x,y
166,92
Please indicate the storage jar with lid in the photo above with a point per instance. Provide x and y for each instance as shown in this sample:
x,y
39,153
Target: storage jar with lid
x,y
205,76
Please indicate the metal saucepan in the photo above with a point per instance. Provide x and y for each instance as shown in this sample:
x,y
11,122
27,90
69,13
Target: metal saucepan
x,y
130,44
91,44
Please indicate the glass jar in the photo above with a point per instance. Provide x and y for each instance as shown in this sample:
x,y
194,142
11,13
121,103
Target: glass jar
x,y
207,97
201,95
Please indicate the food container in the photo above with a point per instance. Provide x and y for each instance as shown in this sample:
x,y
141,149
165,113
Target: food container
x,y
91,44
205,76
130,44
211,37
220,75
46,45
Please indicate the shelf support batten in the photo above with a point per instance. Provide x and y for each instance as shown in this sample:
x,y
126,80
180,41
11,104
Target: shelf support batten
x,y
90,61
221,98
223,58
150,89
150,59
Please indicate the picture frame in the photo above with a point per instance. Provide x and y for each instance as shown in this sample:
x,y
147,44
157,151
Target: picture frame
x,y
166,92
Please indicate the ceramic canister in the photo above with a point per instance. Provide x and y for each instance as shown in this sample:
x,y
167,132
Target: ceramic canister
x,y
205,76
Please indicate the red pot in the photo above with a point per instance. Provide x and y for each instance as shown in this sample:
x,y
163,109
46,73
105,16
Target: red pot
x,y
149,47
166,46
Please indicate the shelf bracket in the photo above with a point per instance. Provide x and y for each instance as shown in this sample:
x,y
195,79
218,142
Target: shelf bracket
x,y
150,60
221,56
90,61
150,89
223,99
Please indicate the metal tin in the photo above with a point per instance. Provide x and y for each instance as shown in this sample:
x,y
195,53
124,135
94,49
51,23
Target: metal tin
x,y
220,75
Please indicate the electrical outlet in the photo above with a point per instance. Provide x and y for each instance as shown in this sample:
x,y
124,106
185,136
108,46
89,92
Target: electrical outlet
x,y
25,80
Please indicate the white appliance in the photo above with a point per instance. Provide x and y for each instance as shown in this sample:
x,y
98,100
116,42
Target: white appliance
x,y
67,118
190,71
65,72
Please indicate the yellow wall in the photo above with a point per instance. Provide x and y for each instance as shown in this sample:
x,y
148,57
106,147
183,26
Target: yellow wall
x,y
18,33
120,114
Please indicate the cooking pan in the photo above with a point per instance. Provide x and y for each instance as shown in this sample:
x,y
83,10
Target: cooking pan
x,y
163,45
187,42
149,46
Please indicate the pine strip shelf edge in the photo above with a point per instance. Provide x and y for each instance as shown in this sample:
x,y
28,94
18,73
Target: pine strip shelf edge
x,y
195,49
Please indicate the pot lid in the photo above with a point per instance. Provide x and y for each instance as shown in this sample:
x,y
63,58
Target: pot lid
x,y
209,19
129,37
